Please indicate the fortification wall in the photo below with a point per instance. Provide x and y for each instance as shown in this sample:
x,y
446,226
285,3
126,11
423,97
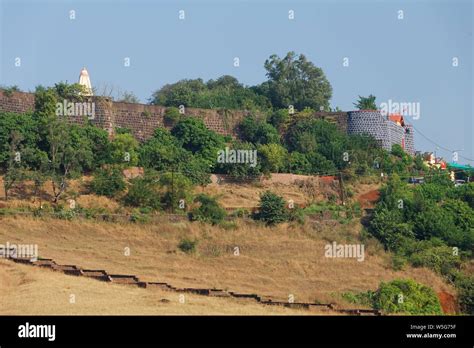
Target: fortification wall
x,y
396,133
19,102
338,118
385,131
371,123
141,119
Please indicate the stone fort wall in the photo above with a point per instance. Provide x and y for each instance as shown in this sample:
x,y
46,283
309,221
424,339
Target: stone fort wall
x,y
385,131
143,119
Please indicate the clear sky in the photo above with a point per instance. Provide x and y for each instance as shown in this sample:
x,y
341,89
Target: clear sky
x,y
403,60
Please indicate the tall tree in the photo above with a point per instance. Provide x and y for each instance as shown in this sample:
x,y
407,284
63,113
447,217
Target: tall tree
x,y
366,103
293,80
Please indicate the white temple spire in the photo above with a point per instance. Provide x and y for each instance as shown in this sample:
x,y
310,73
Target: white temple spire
x,y
85,81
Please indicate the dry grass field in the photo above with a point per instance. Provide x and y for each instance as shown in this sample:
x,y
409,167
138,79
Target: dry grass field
x,y
275,262
230,195
26,290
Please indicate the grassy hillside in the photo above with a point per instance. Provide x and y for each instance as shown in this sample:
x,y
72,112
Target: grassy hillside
x,y
273,261
26,290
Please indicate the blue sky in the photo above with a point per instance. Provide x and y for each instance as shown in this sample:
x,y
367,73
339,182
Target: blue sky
x,y
405,60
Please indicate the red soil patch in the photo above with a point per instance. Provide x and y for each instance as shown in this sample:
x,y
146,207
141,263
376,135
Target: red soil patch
x,y
368,199
448,302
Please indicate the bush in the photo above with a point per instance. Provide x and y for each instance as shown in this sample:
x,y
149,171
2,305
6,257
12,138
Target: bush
x,y
175,187
240,213
273,158
257,131
142,193
298,163
172,116
139,217
191,134
465,285
108,182
297,214
279,118
272,209
440,259
241,171
406,296
64,214
124,150
209,210
187,245
389,228
398,262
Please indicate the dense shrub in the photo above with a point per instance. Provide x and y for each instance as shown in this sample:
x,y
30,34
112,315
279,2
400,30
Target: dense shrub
x,y
438,258
108,182
465,285
209,210
406,296
298,163
143,192
187,245
388,226
257,131
175,188
225,92
124,150
465,193
272,209
172,116
193,136
241,171
273,158
279,118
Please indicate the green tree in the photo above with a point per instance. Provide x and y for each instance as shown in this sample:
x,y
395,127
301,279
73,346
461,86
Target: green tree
x,y
225,92
15,168
25,127
208,210
124,150
293,80
322,141
272,209
97,141
108,182
389,227
273,157
175,188
257,131
417,298
70,92
192,135
298,163
241,171
279,119
172,116
162,151
143,192
366,103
